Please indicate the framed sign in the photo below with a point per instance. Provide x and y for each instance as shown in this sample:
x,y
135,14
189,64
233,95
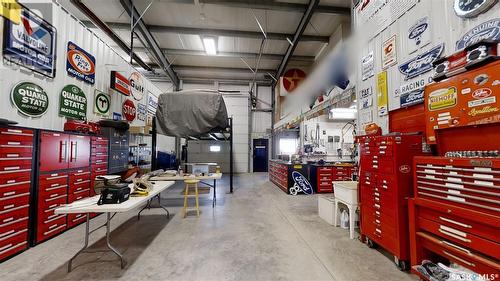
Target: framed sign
x,y
119,83
141,112
30,99
389,53
73,103
421,63
367,66
102,103
152,103
487,30
80,64
382,99
32,43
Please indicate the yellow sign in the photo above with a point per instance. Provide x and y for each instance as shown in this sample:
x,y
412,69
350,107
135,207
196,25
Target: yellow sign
x,y
297,166
443,98
484,110
382,99
10,10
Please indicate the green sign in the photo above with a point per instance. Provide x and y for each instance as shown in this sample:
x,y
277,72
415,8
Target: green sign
x,y
30,99
102,103
73,103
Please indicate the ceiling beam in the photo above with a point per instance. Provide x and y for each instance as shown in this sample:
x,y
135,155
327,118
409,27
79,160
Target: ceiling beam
x,y
210,80
151,42
215,32
181,52
272,5
219,69
304,21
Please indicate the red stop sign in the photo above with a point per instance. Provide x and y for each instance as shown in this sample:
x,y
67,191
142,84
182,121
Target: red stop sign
x,y
129,110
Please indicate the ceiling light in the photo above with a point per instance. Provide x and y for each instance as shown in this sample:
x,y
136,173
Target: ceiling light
x,y
210,46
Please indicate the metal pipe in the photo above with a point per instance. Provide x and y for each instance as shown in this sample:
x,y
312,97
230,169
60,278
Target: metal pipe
x,y
106,29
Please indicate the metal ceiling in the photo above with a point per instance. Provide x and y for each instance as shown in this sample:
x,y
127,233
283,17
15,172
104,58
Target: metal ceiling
x,y
168,38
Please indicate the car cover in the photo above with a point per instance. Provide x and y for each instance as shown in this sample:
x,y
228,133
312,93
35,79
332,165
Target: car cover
x,y
190,113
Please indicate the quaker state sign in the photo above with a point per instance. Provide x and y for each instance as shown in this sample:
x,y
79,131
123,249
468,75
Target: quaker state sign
x,y
29,99
73,103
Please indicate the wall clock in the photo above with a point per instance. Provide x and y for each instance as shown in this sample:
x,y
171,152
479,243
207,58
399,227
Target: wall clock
x,y
472,8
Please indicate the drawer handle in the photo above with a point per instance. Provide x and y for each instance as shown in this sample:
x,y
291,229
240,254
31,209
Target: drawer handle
x,y
367,182
455,222
375,166
13,182
81,182
56,177
376,193
457,258
377,212
12,168
9,193
55,229
377,206
377,221
8,206
454,236
456,247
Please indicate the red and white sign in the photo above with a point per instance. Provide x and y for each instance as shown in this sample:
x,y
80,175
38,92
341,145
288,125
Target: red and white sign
x,y
119,83
481,93
389,52
129,110
292,78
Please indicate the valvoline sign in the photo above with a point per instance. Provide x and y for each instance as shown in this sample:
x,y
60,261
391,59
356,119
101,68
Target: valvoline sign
x,y
80,64
302,182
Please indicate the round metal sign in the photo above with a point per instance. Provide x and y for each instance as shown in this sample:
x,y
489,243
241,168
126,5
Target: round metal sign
x,y
472,8
30,99
102,103
129,111
136,85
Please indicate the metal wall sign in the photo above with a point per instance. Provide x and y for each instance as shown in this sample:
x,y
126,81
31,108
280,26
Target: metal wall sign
x,y
152,103
119,83
486,30
129,110
412,98
301,184
367,66
136,85
366,97
472,8
102,103
32,43
382,95
117,116
80,64
73,103
421,63
419,35
389,52
29,99
141,112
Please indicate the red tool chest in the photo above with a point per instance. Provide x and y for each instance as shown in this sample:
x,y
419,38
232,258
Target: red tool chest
x,y
98,160
16,160
385,186
455,214
278,174
64,161
322,176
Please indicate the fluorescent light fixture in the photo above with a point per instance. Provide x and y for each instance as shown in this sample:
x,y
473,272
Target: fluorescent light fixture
x,y
343,113
210,46
215,148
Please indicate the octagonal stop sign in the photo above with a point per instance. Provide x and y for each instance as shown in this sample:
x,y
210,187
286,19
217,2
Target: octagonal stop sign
x,y
129,110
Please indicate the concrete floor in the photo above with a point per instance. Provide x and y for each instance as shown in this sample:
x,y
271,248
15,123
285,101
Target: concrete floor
x,y
256,233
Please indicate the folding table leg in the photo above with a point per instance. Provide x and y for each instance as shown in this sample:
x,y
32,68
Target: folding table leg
x,y
86,243
214,200
148,205
108,226
161,206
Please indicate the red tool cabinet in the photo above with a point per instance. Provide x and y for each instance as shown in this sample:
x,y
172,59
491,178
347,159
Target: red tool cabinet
x,y
16,155
385,186
278,174
321,176
98,160
455,214
64,177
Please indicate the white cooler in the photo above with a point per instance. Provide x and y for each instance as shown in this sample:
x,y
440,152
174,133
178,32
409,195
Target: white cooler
x,y
326,205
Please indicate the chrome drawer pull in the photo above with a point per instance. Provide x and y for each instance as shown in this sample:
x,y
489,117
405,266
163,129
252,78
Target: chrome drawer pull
x,y
460,259
55,229
456,247
454,236
455,222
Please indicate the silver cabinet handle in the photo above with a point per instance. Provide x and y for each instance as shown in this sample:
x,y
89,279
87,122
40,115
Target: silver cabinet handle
x,y
455,222
457,258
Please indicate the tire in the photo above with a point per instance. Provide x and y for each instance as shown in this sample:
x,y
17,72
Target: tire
x,y
403,265
370,243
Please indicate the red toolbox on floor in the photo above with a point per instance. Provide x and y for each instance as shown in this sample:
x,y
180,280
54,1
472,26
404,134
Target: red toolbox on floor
x,y
64,177
385,186
455,214
16,160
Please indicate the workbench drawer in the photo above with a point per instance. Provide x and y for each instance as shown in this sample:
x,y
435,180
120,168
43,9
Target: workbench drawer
x,y
51,227
14,203
52,180
78,195
51,203
76,219
16,136
7,167
462,238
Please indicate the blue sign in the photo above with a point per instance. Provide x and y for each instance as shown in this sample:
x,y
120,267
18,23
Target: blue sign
x,y
302,182
486,30
416,31
412,98
421,63
117,116
80,64
32,43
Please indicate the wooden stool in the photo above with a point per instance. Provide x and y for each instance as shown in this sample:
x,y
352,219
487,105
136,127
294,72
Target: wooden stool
x,y
191,183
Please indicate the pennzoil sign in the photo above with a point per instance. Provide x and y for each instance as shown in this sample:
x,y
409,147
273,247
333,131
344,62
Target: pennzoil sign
x,y
80,63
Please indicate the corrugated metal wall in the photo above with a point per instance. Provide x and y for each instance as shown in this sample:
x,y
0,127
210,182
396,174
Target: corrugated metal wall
x,y
69,29
445,26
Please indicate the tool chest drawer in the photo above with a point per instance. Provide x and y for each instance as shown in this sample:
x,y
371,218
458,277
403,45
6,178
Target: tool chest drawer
x,y
10,180
14,230
15,216
10,166
18,136
101,167
458,254
53,179
75,219
16,153
78,195
14,203
51,227
14,191
13,245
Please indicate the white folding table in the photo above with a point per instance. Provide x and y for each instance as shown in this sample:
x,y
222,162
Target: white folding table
x,y
89,205
214,176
